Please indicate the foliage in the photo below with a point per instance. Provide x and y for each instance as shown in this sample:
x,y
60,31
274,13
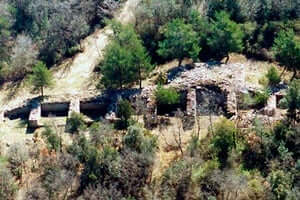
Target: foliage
x,y
101,133
287,50
175,179
223,139
136,140
204,170
273,76
8,187
281,183
100,166
125,59
261,98
53,140
41,77
180,41
17,156
75,122
124,112
166,96
293,99
225,36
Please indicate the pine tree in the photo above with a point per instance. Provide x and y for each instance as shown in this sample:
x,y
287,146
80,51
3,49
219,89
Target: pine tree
x,y
41,77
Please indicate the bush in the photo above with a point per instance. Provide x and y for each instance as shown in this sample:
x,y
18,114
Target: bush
x,y
8,188
261,98
206,169
53,140
124,112
133,138
281,183
76,122
166,96
223,140
273,76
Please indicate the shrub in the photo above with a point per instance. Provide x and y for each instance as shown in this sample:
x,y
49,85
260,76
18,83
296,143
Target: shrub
x,y
133,138
261,98
273,76
175,180
224,139
281,183
7,186
166,96
76,122
293,99
124,112
53,140
18,155
199,173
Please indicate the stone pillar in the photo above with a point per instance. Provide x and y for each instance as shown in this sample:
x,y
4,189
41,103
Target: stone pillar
x,y
191,103
35,115
74,106
270,109
191,110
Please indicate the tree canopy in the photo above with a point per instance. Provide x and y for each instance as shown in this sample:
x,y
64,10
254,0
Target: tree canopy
x,y
180,41
41,77
225,36
287,50
125,59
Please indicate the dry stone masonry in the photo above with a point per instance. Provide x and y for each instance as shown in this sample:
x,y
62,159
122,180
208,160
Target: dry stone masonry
x,y
35,115
74,106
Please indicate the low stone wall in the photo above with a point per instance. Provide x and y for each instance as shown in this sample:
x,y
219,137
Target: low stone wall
x,y
74,106
35,115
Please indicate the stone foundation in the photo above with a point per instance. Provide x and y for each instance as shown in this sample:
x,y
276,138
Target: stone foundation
x,y
35,115
74,106
270,109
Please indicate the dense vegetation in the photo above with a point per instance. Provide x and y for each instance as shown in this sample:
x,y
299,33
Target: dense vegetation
x,y
33,30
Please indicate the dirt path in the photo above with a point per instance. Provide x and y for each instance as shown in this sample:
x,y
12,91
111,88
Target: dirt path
x,y
74,76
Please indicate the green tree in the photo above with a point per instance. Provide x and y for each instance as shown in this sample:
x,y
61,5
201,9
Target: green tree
x,y
287,51
41,77
124,112
293,99
126,59
223,139
76,122
273,76
225,36
180,41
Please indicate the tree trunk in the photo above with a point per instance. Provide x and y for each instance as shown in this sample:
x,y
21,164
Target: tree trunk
x,y
42,91
282,72
294,75
140,76
180,62
227,59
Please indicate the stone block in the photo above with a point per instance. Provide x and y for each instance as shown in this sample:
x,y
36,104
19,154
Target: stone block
x,y
74,106
35,115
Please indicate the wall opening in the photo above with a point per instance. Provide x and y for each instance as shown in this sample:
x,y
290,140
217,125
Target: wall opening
x,y
55,109
171,109
18,113
93,110
211,100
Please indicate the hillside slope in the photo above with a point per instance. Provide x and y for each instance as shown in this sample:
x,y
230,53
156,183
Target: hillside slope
x,y
74,76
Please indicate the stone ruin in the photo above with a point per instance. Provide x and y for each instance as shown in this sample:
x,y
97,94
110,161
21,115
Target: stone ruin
x,y
204,87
